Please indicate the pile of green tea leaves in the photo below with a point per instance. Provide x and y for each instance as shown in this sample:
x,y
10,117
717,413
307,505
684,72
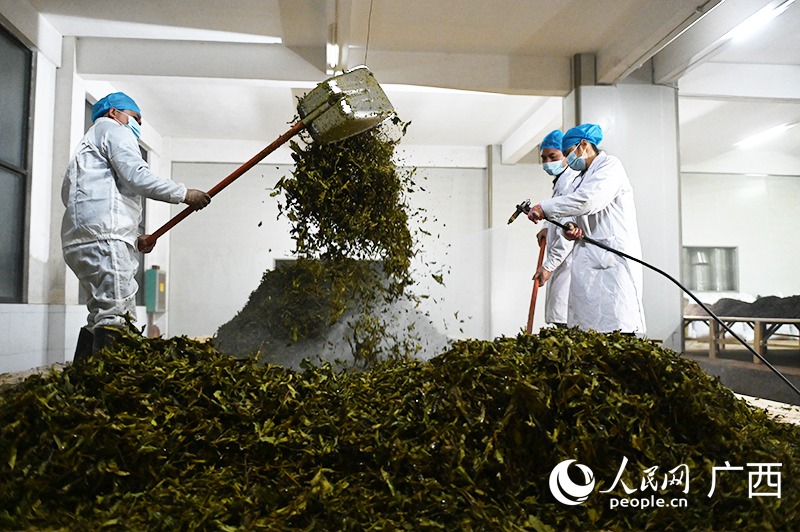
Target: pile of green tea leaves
x,y
312,311
348,199
347,205
293,302
172,435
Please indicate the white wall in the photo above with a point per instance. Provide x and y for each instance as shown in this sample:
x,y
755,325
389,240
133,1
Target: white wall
x,y
24,329
758,215
218,255
23,337
455,203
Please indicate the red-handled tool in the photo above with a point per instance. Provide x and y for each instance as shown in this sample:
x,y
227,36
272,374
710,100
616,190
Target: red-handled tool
x,y
542,246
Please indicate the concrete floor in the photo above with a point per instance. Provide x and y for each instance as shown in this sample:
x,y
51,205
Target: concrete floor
x,y
781,411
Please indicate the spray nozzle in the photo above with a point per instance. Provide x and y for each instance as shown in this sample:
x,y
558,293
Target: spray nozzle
x,y
525,207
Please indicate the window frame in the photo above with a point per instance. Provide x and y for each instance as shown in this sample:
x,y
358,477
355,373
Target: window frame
x,y
23,261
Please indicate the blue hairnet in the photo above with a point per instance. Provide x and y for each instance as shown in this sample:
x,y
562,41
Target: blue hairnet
x,y
117,100
552,140
590,132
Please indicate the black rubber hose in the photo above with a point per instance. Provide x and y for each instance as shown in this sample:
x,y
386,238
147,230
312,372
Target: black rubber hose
x,y
671,278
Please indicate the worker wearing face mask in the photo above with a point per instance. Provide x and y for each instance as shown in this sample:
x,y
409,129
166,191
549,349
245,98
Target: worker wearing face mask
x,y
605,289
556,268
102,192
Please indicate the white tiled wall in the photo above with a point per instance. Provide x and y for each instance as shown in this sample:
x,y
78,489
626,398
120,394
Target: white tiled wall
x,y
23,337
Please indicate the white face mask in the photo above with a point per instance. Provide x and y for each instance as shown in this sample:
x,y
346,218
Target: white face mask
x,y
133,125
575,162
554,167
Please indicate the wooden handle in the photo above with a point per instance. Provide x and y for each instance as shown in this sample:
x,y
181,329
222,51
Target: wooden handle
x,y
542,246
150,240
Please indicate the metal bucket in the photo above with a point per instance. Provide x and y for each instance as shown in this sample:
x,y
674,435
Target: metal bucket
x,y
348,104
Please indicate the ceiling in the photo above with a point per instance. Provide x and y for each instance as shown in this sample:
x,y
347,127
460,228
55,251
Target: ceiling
x,y
466,74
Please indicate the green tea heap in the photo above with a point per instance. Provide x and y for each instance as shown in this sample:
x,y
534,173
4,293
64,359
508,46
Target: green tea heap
x,y
172,435
346,202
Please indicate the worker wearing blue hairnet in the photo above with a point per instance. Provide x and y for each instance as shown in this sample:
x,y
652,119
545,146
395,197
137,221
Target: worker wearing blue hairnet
x,y
605,288
555,270
102,192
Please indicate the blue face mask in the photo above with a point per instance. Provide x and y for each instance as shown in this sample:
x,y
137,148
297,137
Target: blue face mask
x,y
134,126
575,162
554,167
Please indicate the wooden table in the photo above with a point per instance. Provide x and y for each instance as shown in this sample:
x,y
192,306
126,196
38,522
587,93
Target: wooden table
x,y
763,329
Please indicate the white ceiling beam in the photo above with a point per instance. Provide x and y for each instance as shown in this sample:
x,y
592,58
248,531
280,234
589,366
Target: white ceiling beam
x,y
643,33
526,75
192,59
700,42
541,76
737,81
530,134
199,150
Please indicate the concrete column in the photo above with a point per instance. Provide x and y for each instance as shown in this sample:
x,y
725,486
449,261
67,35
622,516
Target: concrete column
x,y
41,182
65,316
640,126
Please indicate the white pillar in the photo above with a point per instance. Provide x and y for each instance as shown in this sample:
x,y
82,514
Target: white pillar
x,y
65,319
640,126
41,183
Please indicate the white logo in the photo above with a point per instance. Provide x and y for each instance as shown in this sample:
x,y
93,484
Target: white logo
x,y
565,490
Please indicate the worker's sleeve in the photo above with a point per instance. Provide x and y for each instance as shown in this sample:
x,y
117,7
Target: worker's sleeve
x,y
558,247
134,172
595,192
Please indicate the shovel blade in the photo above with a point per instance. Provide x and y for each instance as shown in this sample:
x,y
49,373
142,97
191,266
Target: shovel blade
x,y
350,103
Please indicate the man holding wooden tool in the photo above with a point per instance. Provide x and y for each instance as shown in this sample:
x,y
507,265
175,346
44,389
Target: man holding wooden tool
x,y
102,192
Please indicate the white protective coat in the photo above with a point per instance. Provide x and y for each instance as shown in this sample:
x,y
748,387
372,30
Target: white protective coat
x,y
559,260
102,192
103,186
605,289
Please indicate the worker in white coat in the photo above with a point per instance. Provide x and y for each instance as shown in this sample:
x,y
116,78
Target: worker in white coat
x,y
605,288
102,192
555,270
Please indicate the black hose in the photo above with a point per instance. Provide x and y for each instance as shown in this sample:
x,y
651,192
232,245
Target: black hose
x,y
668,276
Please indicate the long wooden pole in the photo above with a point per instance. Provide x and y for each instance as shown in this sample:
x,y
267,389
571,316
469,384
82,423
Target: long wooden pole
x,y
542,246
151,239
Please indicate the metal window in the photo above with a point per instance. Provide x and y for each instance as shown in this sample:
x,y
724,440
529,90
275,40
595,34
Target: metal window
x,y
711,269
15,93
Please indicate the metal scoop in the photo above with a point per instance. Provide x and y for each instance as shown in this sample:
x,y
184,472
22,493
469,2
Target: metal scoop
x,y
338,108
350,103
